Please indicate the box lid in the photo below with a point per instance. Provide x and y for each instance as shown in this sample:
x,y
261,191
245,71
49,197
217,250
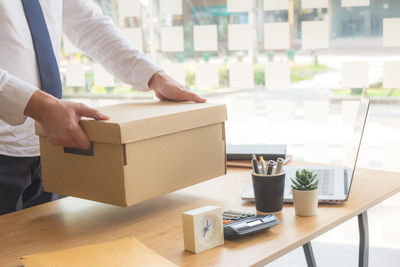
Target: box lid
x,y
130,122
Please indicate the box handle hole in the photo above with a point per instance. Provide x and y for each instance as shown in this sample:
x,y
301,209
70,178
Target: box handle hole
x,y
77,151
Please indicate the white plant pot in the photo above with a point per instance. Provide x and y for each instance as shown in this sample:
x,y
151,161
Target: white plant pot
x,y
305,202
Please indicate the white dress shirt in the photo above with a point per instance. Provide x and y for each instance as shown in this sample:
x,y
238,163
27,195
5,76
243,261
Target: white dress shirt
x,y
83,23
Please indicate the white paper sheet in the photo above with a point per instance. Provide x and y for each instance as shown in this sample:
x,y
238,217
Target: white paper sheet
x,y
316,112
391,159
314,4
355,75
314,34
241,75
349,3
239,5
135,36
102,77
277,75
75,75
170,7
391,74
349,112
207,75
316,151
172,39
128,8
391,34
274,107
276,35
176,71
68,47
205,38
276,4
239,37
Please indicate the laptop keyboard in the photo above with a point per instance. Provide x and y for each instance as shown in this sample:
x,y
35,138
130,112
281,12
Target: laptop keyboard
x,y
326,181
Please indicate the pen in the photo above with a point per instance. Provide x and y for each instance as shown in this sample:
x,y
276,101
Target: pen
x,y
274,170
255,165
279,163
263,165
270,167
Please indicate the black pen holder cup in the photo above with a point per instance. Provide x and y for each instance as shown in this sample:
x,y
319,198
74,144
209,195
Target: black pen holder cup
x,y
268,192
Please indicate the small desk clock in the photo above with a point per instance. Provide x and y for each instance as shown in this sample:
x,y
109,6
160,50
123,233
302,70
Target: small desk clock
x,y
202,228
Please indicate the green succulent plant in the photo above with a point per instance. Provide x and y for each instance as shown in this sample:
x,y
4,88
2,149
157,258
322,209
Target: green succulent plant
x,y
305,180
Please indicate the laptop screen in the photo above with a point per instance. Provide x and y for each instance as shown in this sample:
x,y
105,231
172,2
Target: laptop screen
x,y
354,138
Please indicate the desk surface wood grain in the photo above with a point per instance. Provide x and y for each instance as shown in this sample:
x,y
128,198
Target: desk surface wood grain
x,y
72,222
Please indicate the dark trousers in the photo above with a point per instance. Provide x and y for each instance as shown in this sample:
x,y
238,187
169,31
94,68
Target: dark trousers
x,y
21,184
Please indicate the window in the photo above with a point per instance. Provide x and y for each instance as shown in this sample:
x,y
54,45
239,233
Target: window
x,y
293,63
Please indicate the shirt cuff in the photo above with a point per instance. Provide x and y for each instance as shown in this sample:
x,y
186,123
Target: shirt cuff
x,y
143,72
14,96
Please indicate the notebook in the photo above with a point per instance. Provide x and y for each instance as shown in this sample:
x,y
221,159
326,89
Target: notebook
x,y
244,152
240,155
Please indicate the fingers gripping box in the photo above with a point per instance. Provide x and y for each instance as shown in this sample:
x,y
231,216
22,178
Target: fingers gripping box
x,y
144,151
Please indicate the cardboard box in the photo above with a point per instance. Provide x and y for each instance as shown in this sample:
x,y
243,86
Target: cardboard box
x,y
144,151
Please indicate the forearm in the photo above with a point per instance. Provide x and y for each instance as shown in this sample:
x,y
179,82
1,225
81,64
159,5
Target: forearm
x,y
39,104
60,119
97,36
14,96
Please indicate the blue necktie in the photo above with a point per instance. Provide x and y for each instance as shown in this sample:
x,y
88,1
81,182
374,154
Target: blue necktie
x,y
49,73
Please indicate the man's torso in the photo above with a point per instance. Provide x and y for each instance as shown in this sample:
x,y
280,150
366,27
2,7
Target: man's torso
x,y
17,56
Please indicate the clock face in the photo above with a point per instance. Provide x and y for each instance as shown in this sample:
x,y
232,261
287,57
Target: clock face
x,y
208,229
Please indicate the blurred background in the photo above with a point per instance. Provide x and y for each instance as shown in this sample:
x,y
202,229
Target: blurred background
x,y
290,72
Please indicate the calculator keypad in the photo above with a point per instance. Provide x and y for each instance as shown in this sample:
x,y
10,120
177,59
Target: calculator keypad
x,y
235,215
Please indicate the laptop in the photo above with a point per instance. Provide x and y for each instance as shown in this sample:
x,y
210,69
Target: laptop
x,y
334,181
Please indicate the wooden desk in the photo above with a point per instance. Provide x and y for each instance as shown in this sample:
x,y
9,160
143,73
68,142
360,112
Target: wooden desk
x,y
72,222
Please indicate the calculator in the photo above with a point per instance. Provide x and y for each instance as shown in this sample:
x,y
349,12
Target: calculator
x,y
241,224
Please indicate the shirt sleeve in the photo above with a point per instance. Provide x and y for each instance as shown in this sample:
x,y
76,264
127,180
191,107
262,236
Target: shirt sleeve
x,y
97,36
14,95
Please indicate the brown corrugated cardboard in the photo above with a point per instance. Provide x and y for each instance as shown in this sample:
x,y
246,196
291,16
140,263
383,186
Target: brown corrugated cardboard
x,y
145,150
